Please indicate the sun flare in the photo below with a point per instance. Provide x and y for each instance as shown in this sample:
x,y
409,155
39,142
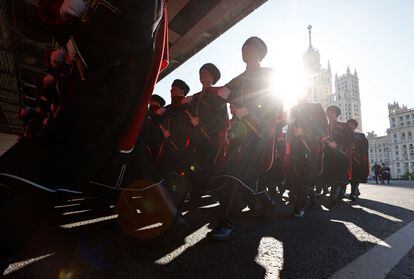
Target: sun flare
x,y
288,85
289,80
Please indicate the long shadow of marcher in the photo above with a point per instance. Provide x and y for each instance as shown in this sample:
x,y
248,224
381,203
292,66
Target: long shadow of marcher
x,y
95,250
314,247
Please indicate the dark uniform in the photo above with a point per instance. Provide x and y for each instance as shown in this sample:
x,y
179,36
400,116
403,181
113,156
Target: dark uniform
x,y
207,140
174,154
254,105
250,154
359,169
377,172
385,174
154,135
306,150
118,49
336,160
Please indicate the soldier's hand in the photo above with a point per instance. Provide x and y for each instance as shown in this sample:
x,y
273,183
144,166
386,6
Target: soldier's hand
x,y
195,121
333,145
165,132
187,100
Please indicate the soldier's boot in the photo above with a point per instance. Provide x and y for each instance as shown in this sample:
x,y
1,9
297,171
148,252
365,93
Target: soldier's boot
x,y
223,230
299,213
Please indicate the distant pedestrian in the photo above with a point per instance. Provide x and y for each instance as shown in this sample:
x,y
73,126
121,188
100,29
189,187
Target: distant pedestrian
x,y
377,172
385,174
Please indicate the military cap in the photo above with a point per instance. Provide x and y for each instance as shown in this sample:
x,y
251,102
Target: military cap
x,y
182,85
335,109
259,44
212,69
352,121
157,98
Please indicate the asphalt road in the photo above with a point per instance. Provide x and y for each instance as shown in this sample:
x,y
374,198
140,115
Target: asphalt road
x,y
326,243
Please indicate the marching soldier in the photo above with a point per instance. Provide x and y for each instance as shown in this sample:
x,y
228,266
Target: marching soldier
x,y
172,155
119,48
209,121
154,134
308,128
250,94
336,154
359,168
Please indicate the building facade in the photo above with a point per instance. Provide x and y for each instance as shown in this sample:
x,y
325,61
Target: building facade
x,y
379,150
396,149
319,79
346,96
400,137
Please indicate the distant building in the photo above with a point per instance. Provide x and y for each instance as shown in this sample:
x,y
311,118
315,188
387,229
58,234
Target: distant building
x,y
346,96
400,136
379,150
396,149
320,78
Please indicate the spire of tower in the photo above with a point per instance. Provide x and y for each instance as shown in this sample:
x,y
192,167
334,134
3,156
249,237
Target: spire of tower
x,y
310,36
355,72
329,66
348,71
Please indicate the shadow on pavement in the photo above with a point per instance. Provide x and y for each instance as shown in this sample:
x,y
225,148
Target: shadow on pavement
x,y
316,246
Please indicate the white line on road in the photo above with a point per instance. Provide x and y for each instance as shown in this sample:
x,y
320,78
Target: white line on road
x,y
380,259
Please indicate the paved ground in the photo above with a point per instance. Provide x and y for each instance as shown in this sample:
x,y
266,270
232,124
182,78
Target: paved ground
x,y
324,243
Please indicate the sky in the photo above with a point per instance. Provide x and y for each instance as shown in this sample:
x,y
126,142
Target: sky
x,y
374,37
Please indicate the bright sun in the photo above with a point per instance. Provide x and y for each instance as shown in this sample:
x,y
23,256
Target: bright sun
x,y
289,85
289,80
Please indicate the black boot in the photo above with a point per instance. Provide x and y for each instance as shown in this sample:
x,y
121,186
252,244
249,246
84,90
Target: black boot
x,y
223,230
299,213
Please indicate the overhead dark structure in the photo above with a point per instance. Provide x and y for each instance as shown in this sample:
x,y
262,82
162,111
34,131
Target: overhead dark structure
x,y
25,43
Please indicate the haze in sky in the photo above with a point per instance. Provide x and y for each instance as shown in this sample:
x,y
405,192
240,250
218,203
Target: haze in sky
x,y
375,37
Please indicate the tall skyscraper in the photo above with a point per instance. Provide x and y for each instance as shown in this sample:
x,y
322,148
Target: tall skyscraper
x,y
320,79
346,96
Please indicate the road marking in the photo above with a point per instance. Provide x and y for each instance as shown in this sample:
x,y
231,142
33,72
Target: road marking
x,y
379,260
270,256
